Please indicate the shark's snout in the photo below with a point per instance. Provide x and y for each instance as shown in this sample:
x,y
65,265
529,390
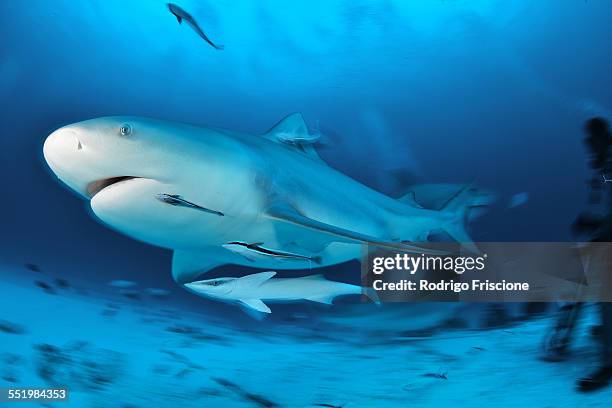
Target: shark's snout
x,y
59,145
63,151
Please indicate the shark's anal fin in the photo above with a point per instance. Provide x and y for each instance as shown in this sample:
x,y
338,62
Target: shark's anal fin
x,y
285,212
256,304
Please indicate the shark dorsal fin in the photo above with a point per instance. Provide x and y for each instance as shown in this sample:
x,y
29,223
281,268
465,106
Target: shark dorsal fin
x,y
256,279
291,127
292,131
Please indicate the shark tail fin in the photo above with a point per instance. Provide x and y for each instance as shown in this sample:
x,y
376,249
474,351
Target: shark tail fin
x,y
457,205
456,214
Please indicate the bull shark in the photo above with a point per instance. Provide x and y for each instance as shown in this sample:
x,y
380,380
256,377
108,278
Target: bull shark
x,y
251,290
258,188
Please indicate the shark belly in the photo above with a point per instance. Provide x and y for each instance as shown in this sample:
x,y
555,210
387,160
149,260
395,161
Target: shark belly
x,y
310,288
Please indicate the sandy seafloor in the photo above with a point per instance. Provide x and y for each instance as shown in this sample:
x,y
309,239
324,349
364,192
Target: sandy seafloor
x,y
151,354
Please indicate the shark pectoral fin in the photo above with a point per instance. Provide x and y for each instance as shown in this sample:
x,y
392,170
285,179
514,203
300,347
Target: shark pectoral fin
x,y
328,300
256,304
256,279
179,19
188,265
285,212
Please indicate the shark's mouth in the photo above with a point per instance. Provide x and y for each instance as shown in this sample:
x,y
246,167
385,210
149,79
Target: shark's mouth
x,y
95,187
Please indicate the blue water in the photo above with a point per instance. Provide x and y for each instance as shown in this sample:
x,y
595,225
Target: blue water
x,y
489,92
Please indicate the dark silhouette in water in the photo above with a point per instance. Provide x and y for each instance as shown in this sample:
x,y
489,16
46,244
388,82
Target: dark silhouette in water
x,y
131,295
181,15
599,142
45,287
599,229
33,267
247,396
62,283
11,328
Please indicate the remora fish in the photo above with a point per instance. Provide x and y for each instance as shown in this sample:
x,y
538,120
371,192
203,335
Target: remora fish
x,y
270,191
252,290
181,15
255,250
175,199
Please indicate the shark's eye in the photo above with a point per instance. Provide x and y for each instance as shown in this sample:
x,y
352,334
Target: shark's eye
x,y
125,129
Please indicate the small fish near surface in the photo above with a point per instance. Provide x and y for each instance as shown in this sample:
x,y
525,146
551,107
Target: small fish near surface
x,y
157,293
439,376
122,284
45,287
33,267
11,328
256,250
181,15
177,200
62,283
